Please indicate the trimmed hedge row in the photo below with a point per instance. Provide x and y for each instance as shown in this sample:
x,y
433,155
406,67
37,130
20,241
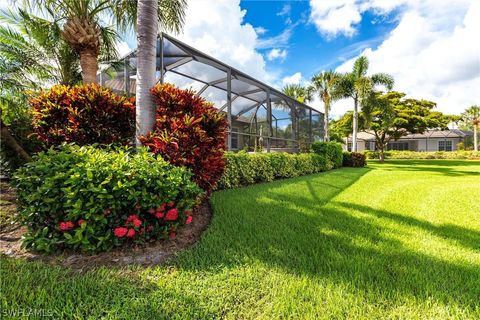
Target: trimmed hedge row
x,y
471,155
331,150
92,199
245,168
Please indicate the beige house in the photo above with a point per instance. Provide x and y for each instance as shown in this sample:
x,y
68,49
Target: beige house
x,y
431,140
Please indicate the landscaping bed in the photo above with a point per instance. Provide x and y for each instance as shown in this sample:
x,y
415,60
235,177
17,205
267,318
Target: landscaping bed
x,y
152,253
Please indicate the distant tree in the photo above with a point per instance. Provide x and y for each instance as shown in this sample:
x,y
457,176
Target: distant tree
x,y
342,127
471,119
357,85
302,94
391,117
324,84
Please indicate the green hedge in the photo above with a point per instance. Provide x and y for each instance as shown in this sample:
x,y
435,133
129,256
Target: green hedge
x,y
244,168
331,150
472,155
354,159
91,199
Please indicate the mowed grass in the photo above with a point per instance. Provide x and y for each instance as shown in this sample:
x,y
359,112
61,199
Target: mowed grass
x,y
394,240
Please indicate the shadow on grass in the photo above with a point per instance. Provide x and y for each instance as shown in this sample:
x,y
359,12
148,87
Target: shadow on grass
x,y
294,225
465,237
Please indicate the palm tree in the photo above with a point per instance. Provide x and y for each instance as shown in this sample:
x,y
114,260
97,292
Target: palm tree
x,y
303,95
32,55
169,15
471,117
324,84
357,85
34,45
82,30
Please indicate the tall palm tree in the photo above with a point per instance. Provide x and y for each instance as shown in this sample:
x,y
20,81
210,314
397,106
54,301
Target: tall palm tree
x,y
471,117
357,85
324,84
168,15
83,30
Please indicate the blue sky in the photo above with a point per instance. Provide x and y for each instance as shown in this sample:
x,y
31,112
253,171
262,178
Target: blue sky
x,y
307,51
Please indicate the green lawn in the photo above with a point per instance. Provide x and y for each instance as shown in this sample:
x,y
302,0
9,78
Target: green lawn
x,y
398,240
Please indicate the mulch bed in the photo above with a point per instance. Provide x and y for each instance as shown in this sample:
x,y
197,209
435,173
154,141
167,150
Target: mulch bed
x,y
154,253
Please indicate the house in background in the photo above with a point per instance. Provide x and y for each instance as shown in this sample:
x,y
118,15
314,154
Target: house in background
x,y
431,140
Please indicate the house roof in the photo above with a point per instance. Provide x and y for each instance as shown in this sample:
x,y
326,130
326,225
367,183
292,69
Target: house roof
x,y
452,133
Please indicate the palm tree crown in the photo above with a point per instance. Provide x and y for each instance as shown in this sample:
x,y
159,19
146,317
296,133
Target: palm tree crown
x,y
358,86
325,85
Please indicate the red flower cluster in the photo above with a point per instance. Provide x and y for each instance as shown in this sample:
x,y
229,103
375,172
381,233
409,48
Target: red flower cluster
x,y
134,220
171,215
65,226
83,114
189,132
122,232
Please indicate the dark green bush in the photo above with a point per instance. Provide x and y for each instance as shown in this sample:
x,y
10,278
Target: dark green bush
x,y
245,168
92,199
331,150
354,159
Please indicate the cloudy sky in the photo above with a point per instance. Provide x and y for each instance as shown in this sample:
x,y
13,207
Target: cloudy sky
x,y
431,47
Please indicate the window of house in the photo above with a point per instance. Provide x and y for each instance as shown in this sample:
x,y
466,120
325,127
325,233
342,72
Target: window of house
x,y
349,146
401,146
445,145
234,138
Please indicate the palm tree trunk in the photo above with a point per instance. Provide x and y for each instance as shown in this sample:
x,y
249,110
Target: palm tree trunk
x,y
89,64
10,141
325,124
475,137
355,124
147,31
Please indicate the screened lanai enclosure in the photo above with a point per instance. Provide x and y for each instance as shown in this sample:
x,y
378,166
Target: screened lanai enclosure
x,y
260,117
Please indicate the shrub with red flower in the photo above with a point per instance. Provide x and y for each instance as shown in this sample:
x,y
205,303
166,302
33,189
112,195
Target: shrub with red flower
x,y
146,198
65,226
189,132
83,114
120,232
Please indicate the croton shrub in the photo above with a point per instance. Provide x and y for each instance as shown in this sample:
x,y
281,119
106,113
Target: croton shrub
x,y
354,159
249,168
188,132
91,199
83,114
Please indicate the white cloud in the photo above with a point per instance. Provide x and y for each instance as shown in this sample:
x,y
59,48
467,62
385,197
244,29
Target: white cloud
x,y
285,10
260,30
280,40
433,54
341,17
277,54
122,48
217,28
295,78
